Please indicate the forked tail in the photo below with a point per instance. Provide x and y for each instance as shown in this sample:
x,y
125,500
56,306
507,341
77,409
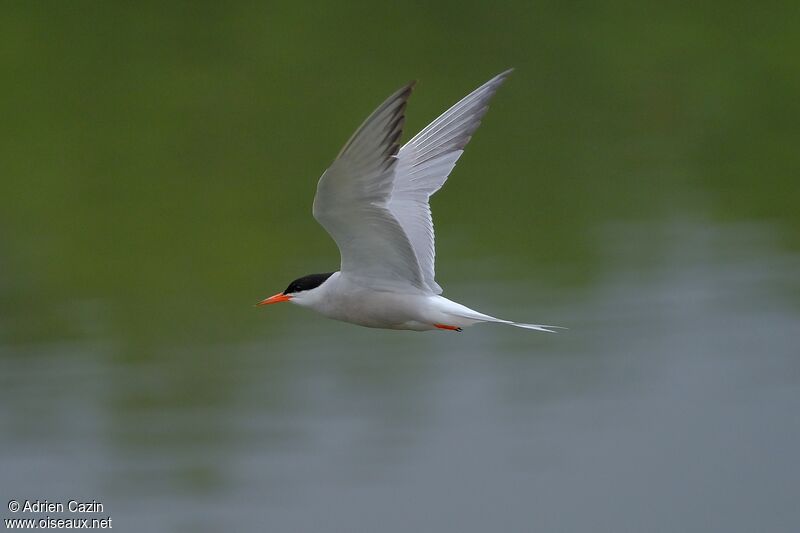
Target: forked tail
x,y
537,327
470,316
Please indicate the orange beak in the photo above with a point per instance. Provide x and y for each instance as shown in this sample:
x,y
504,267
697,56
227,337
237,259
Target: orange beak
x,y
280,297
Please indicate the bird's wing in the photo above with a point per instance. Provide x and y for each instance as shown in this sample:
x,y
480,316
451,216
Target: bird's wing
x,y
423,165
351,203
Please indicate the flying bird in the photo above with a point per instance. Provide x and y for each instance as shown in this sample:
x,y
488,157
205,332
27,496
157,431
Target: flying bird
x,y
374,201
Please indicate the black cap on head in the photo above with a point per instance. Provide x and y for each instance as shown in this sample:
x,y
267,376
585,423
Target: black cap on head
x,y
306,283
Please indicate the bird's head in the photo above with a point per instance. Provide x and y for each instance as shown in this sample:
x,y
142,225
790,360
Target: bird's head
x,y
299,290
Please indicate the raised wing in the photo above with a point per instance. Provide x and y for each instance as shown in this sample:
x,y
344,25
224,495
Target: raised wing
x,y
351,203
423,166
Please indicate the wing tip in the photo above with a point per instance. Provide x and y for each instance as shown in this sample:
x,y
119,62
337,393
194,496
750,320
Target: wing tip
x,y
500,78
404,92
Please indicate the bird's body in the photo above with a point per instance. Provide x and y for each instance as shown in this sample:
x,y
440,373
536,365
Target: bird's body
x,y
374,202
342,298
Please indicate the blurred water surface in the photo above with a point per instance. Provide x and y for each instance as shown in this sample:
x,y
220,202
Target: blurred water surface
x,y
635,181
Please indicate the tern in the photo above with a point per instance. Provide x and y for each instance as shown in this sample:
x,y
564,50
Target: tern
x,y
374,201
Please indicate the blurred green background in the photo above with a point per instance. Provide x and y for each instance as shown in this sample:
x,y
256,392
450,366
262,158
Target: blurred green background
x,y
636,180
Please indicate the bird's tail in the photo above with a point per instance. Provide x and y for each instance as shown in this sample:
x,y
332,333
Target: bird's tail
x,y
537,327
471,316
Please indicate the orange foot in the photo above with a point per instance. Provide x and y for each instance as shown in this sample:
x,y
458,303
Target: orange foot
x,y
451,328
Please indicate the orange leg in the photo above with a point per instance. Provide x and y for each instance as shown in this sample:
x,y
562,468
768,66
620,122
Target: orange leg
x,y
451,328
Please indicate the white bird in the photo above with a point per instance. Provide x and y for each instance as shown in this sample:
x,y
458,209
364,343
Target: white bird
x,y
373,201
